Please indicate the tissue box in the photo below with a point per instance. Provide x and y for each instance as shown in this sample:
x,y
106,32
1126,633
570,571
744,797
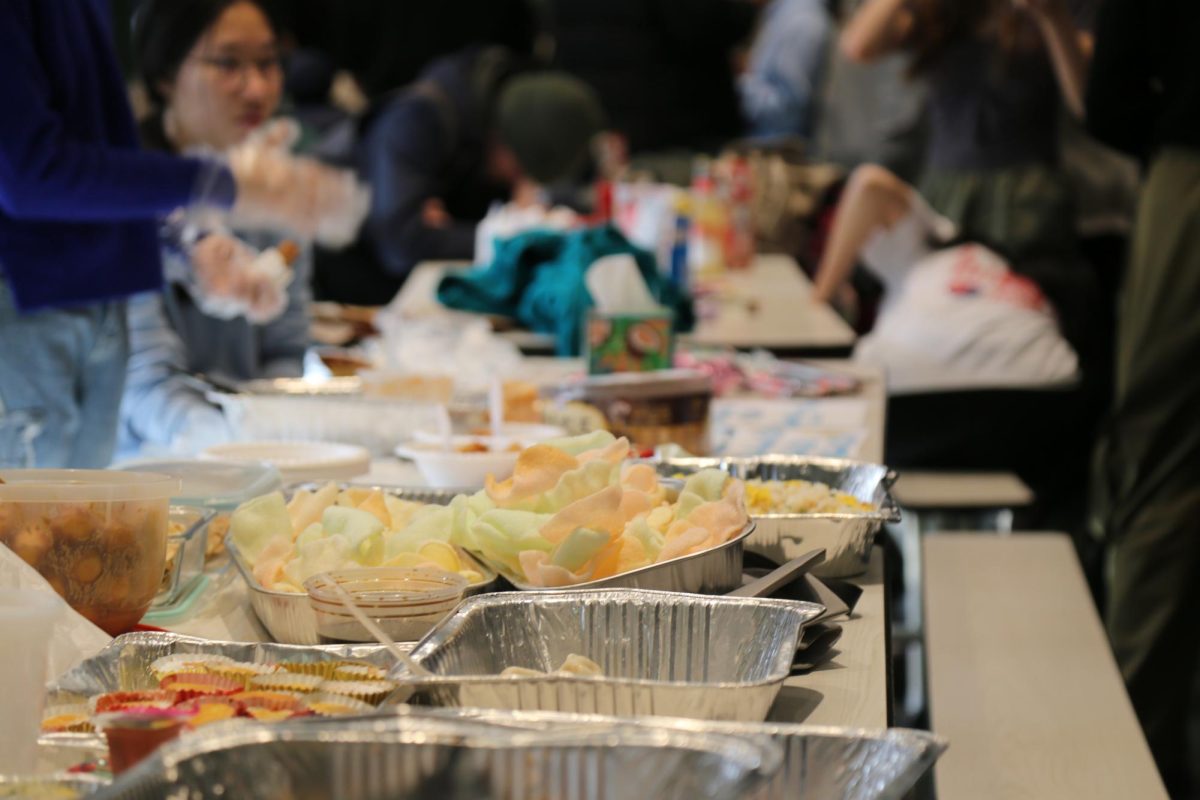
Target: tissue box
x,y
629,342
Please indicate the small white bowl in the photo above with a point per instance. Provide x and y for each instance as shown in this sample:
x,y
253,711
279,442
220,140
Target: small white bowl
x,y
523,433
452,469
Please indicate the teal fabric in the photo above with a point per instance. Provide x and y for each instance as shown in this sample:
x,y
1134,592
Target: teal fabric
x,y
537,278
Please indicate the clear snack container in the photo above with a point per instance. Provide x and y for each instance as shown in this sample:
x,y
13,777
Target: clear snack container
x,y
99,537
651,408
187,538
405,602
220,486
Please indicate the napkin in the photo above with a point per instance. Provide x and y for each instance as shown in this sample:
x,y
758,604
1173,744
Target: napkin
x,y
74,638
617,286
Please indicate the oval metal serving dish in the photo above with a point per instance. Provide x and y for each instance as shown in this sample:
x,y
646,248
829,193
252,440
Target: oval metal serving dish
x,y
717,570
289,618
846,537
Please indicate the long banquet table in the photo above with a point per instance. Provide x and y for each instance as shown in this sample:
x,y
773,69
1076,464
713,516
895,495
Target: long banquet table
x,y
853,689
768,306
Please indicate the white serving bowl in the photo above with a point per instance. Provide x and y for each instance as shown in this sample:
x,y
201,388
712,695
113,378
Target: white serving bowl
x,y
457,470
520,433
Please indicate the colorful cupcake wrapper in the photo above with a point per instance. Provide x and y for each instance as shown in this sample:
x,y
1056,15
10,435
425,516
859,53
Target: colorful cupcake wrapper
x,y
333,705
372,692
286,682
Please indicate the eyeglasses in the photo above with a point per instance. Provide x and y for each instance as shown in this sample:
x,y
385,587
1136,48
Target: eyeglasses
x,y
237,70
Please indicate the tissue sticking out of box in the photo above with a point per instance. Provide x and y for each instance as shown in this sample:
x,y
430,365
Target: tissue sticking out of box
x,y
617,287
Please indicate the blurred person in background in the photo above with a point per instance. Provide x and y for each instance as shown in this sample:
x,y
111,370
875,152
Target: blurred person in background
x,y
478,127
213,73
664,69
999,71
79,211
1144,98
782,85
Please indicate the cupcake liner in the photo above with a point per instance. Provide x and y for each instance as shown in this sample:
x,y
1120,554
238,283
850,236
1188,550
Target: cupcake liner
x,y
332,705
189,685
75,718
358,672
186,662
209,713
269,714
324,669
242,671
274,701
120,701
372,692
286,682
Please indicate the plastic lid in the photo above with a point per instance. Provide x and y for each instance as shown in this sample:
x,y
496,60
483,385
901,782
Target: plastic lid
x,y
658,383
219,485
377,590
83,485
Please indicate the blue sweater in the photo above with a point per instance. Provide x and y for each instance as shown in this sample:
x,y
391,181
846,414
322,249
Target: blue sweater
x,y
78,199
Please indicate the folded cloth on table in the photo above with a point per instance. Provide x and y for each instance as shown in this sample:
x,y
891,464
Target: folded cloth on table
x,y
538,278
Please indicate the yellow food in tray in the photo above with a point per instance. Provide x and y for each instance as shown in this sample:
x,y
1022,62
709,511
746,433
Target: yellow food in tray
x,y
801,497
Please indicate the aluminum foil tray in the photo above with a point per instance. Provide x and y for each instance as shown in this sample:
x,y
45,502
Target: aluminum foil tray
x,y
717,570
287,616
846,537
662,653
125,665
819,762
414,758
50,787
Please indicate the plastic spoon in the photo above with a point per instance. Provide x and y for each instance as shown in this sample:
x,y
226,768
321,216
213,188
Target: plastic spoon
x,y
496,407
445,428
376,631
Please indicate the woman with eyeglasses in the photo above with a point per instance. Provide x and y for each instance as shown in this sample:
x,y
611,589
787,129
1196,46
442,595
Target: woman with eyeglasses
x,y
80,204
212,72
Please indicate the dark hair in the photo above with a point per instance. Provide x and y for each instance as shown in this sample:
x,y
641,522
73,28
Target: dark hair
x,y
165,31
937,24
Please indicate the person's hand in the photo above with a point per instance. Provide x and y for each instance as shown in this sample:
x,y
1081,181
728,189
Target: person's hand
x,y
278,191
231,279
220,266
434,214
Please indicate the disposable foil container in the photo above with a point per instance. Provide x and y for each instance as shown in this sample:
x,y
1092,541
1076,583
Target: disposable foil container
x,y
125,665
661,653
846,537
417,758
50,787
288,617
819,762
717,570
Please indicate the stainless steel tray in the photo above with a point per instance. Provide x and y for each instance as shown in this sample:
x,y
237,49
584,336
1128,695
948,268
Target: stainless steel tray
x,y
402,758
717,570
845,537
662,653
819,762
287,616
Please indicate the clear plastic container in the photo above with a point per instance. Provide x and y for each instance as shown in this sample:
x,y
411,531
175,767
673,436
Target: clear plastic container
x,y
651,408
99,537
219,485
406,603
187,538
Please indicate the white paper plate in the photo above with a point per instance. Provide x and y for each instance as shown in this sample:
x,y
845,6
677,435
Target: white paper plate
x,y
298,461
